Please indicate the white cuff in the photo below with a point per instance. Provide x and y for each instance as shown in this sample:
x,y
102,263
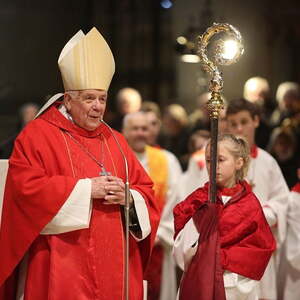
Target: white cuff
x,y
270,216
75,213
166,235
142,214
186,245
245,286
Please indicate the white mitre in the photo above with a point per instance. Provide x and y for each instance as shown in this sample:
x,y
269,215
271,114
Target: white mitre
x,y
85,62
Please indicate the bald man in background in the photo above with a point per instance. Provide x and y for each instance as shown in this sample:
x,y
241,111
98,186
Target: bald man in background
x,y
164,169
128,100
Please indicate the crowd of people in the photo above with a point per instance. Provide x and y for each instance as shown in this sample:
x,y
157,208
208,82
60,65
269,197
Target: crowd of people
x,y
272,136
65,193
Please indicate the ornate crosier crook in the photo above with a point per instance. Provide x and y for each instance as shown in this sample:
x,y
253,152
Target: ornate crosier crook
x,y
215,104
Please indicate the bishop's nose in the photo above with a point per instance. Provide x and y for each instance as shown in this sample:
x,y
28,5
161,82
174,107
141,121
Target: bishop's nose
x,y
97,105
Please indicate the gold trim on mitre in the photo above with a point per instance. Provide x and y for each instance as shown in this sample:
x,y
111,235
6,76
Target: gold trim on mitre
x,y
86,62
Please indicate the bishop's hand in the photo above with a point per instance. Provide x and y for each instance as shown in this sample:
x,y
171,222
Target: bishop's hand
x,y
115,191
98,187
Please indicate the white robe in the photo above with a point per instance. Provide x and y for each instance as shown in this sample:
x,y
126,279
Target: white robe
x,y
237,287
3,173
290,263
193,178
165,230
271,190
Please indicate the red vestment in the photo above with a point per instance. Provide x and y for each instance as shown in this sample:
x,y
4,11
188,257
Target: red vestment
x,y
83,264
245,240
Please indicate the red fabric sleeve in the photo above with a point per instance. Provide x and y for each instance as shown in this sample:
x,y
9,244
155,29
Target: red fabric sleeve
x,y
31,199
184,210
246,250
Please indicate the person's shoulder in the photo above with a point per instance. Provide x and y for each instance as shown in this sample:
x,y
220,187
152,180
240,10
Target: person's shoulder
x,y
265,156
118,135
262,153
116,132
157,151
34,127
118,139
35,133
198,193
249,205
171,156
253,198
191,202
248,194
200,190
173,161
157,154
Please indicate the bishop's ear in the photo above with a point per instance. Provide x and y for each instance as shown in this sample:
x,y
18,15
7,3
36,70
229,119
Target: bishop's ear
x,y
67,101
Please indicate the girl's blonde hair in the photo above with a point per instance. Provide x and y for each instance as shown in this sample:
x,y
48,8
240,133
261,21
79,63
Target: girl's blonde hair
x,y
239,148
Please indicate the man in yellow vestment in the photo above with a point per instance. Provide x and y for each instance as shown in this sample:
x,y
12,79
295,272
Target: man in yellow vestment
x,y
164,170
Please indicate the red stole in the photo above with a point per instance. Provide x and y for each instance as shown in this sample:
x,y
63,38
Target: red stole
x,y
82,264
204,276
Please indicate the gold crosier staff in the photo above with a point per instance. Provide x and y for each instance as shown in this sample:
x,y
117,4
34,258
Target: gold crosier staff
x,y
226,53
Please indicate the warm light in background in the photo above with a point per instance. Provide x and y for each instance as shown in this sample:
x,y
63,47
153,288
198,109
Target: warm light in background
x,y
190,58
181,40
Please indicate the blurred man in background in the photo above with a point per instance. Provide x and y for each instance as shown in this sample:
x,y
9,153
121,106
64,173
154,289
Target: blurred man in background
x,y
257,91
164,170
27,113
128,100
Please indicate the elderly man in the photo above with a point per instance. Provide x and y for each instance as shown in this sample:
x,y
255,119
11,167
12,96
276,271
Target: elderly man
x,y
62,223
164,169
257,90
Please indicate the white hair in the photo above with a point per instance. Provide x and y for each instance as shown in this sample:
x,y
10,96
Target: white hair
x,y
131,116
72,94
178,113
286,87
129,91
27,105
255,83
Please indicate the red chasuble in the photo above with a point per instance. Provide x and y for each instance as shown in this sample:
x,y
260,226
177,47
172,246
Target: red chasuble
x,y
83,264
237,231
